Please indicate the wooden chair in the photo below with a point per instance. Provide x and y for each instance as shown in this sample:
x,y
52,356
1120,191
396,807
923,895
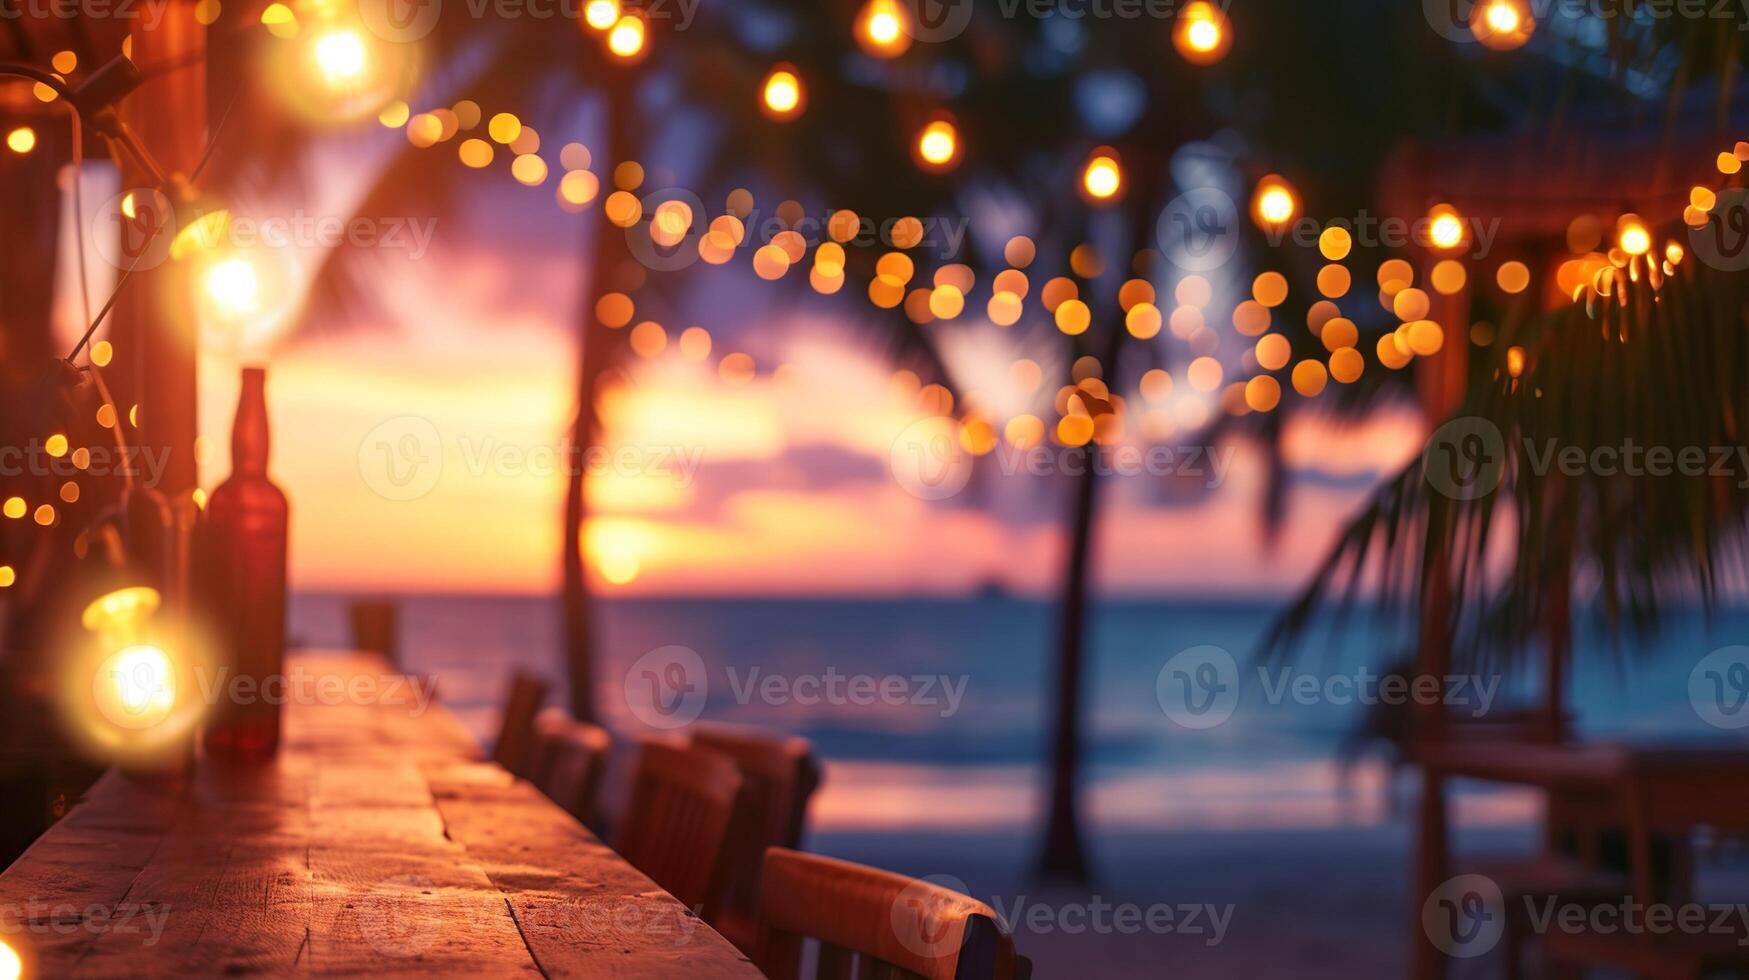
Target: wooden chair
x,y
568,761
549,724
781,775
684,816
514,749
1568,871
375,628
876,923
1669,795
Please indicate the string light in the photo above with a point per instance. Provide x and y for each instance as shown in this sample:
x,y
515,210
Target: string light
x,y
1445,228
1273,204
233,287
938,146
21,140
1502,24
11,964
1633,236
1102,178
626,39
1201,34
341,56
880,29
601,14
781,96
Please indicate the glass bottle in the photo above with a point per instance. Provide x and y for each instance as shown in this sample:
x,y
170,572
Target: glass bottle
x,y
243,573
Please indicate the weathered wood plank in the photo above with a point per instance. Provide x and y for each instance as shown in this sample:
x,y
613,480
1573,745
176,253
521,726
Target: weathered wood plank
x,y
377,843
582,909
72,881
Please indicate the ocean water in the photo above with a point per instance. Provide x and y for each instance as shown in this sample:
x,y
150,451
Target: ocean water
x,y
933,715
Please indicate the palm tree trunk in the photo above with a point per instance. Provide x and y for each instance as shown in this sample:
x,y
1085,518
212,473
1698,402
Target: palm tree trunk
x,y
1064,853
596,353
1065,856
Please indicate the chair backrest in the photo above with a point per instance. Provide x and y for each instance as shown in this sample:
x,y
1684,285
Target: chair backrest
x,y
1672,793
374,628
569,758
514,749
876,923
1681,790
685,814
549,725
781,774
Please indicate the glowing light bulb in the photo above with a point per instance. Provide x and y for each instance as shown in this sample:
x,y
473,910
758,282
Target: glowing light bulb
x,y
21,140
135,687
203,233
1445,227
1103,177
938,145
232,286
342,57
880,29
1201,35
626,39
601,14
1635,238
1274,204
120,609
1502,24
782,94
11,964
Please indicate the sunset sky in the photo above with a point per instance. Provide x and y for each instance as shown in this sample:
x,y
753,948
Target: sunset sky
x,y
780,485
793,491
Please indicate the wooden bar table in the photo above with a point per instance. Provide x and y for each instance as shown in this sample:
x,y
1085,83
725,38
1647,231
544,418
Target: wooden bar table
x,y
1592,775
379,842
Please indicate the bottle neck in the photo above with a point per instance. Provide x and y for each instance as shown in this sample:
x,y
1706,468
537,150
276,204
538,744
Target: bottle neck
x,y
249,438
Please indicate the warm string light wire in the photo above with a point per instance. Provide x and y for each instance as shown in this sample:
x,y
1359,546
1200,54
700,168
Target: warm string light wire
x,y
127,143
206,157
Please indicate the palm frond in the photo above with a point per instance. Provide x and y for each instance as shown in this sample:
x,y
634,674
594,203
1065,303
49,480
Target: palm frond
x,y
1611,458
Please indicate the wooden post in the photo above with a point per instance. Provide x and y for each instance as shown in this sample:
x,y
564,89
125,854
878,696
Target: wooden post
x,y
154,328
1442,380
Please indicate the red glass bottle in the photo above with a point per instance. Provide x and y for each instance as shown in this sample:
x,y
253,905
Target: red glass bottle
x,y
243,573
